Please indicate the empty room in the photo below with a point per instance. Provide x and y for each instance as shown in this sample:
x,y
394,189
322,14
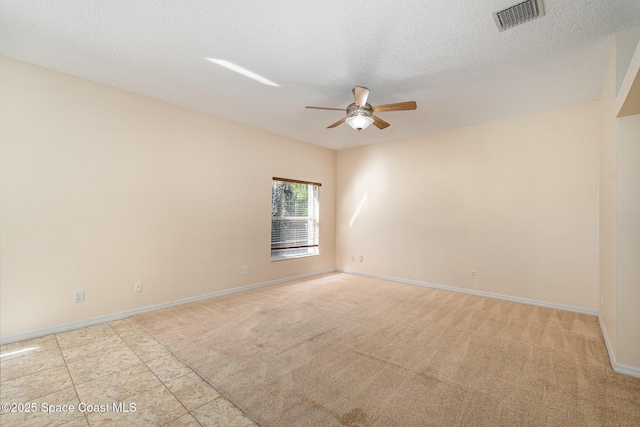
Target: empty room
x,y
362,214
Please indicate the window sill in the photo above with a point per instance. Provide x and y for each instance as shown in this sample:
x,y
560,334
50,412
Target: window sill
x,y
292,257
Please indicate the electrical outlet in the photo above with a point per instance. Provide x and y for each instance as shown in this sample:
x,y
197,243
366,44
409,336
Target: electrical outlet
x,y
137,287
360,258
353,258
245,270
78,296
473,274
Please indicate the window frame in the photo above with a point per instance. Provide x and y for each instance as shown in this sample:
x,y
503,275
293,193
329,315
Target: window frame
x,y
313,211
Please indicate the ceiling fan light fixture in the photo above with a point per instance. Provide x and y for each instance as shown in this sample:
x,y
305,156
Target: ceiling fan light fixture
x,y
359,119
359,122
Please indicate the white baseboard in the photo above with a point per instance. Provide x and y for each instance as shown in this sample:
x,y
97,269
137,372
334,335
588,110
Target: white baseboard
x,y
627,370
618,367
605,335
478,293
7,339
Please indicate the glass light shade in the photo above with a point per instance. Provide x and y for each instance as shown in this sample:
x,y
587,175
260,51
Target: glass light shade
x,y
359,122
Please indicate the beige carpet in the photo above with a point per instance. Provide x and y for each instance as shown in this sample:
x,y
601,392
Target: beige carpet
x,y
343,350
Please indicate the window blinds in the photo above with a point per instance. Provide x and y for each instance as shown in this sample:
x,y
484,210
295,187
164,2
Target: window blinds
x,y
294,218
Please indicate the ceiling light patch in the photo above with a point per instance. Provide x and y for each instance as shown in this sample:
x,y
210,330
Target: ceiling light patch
x,y
518,13
243,71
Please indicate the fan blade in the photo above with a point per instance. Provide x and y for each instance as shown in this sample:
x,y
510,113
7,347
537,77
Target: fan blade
x,y
326,108
400,106
339,122
381,124
361,94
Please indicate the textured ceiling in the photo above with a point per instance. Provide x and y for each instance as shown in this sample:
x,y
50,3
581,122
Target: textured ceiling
x,y
447,55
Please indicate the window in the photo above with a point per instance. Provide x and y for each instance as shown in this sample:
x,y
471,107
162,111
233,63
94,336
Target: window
x,y
294,218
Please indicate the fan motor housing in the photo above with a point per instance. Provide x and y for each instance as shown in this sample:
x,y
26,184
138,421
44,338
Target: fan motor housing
x,y
354,110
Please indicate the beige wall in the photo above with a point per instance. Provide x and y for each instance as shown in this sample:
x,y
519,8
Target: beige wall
x,y
101,188
619,201
516,200
607,202
628,240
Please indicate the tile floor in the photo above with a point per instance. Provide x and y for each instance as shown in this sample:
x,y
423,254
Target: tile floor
x,y
113,374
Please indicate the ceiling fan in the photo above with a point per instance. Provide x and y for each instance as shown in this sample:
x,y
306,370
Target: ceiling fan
x,y
360,114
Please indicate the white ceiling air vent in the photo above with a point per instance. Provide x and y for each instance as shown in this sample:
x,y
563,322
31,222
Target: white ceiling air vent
x,y
518,13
